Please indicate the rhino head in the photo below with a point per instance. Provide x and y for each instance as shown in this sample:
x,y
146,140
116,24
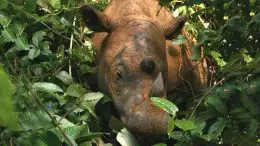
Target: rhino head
x,y
132,64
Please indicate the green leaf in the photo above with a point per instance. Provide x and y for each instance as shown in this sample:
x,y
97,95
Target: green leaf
x,y
171,126
216,129
93,96
63,122
217,102
9,35
34,120
179,40
75,90
184,124
64,77
33,53
46,87
199,126
125,138
4,20
20,141
55,4
50,139
217,57
37,38
90,100
166,105
253,127
7,115
22,42
30,4
3,4
249,103
180,136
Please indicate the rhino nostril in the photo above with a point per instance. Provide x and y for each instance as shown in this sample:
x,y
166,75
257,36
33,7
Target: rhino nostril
x,y
148,65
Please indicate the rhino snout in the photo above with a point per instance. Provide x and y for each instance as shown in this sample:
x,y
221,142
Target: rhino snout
x,y
146,118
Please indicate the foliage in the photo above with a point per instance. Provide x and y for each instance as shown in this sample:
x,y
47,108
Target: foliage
x,y
46,53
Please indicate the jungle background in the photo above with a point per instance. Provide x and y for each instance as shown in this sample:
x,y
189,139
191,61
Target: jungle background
x,y
46,57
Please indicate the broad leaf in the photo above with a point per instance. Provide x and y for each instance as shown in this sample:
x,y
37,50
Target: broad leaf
x,y
47,87
37,38
216,129
92,96
217,102
166,105
75,90
7,115
184,124
34,120
55,3
64,77
51,139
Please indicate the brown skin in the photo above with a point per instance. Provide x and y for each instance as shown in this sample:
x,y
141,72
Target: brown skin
x,y
135,60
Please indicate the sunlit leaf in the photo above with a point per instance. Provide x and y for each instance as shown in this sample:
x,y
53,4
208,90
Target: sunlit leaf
x,y
75,90
37,38
166,105
55,3
7,115
92,96
47,87
64,77
184,124
33,53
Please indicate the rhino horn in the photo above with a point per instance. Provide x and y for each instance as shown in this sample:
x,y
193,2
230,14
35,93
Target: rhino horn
x,y
158,88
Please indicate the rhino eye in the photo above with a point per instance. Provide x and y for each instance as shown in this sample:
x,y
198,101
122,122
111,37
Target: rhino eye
x,y
148,65
118,76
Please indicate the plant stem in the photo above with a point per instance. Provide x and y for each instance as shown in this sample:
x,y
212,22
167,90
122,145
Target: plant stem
x,y
205,95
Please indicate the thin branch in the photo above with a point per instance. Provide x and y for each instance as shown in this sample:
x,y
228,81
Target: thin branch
x,y
71,44
205,95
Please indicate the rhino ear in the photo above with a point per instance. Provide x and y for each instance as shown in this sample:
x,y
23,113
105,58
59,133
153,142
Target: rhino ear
x,y
94,19
174,28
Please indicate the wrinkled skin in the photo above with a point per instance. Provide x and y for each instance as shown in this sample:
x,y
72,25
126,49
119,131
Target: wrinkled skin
x,y
136,60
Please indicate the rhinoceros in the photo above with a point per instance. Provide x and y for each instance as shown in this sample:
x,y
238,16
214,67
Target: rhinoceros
x,y
136,60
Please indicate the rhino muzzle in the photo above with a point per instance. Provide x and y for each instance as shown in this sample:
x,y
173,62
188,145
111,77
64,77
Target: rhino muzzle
x,y
146,119
141,116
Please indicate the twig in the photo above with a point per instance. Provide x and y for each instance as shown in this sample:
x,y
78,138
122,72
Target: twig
x,y
71,44
202,98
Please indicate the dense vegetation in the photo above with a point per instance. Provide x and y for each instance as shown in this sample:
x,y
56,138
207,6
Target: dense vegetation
x,y
46,55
